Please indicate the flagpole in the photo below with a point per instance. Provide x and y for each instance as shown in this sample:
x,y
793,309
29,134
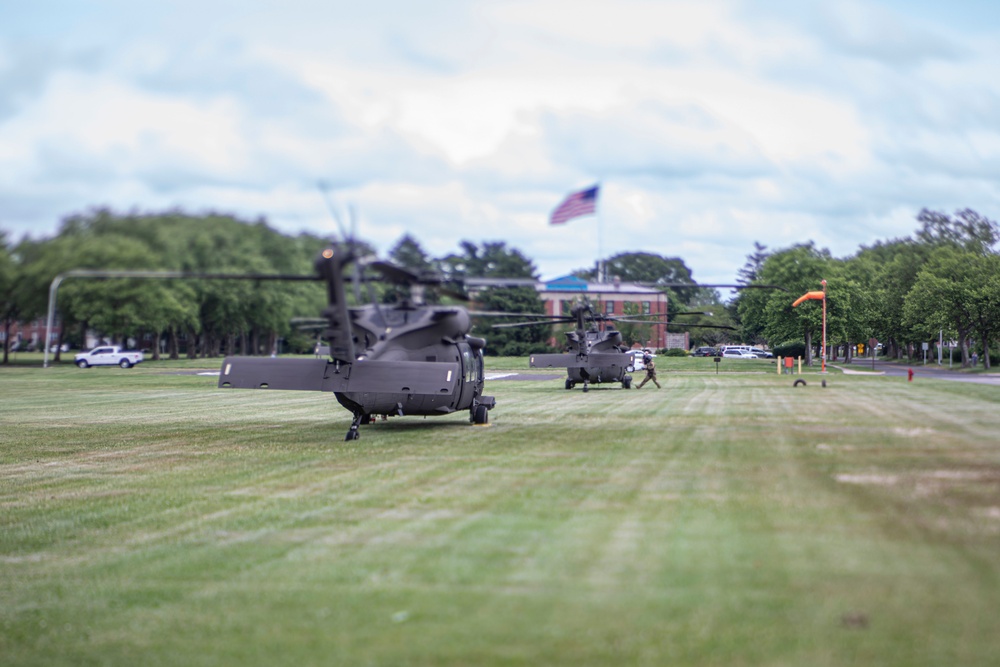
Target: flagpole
x,y
600,254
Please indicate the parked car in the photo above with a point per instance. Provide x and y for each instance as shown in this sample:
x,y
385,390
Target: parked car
x,y
762,354
738,354
705,352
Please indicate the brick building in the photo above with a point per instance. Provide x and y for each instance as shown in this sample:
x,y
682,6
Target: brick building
x,y
29,335
560,294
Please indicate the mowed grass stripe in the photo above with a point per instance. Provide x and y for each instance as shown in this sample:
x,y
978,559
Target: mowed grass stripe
x,y
704,523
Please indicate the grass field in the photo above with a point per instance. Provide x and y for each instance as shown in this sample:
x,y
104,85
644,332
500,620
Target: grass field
x,y
151,519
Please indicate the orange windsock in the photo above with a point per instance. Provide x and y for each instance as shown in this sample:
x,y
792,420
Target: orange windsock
x,y
807,296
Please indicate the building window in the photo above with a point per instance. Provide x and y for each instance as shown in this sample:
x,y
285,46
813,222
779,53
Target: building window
x,y
609,307
646,308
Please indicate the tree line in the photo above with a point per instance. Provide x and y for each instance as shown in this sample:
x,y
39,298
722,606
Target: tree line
x,y
943,281
208,318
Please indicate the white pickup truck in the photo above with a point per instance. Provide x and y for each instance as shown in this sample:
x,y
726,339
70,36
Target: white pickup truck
x,y
108,355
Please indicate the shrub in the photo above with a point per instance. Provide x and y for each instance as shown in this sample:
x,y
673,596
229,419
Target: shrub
x,y
675,352
793,349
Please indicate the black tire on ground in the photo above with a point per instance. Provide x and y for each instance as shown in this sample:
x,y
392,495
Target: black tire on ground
x,y
627,382
799,382
481,415
569,383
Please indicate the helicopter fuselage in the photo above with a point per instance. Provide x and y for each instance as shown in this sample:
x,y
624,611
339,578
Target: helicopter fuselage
x,y
402,359
422,362
427,335
591,357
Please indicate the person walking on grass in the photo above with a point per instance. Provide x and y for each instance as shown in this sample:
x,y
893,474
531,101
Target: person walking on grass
x,y
647,361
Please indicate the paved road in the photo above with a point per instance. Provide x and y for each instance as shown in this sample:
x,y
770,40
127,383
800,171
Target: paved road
x,y
919,370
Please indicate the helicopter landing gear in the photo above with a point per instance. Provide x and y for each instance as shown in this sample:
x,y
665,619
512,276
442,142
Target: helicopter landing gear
x,y
586,386
359,418
569,383
480,415
627,382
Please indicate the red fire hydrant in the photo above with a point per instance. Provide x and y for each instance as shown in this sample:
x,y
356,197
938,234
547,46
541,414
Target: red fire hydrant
x,y
909,375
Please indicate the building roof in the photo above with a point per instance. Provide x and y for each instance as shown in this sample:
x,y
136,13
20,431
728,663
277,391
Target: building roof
x,y
568,283
574,284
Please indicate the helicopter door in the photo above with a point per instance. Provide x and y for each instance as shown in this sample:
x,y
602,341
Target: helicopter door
x,y
471,374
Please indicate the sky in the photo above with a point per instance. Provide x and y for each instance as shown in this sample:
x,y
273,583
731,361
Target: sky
x,y
708,125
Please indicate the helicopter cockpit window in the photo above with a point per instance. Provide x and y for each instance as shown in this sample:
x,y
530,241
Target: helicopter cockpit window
x,y
469,365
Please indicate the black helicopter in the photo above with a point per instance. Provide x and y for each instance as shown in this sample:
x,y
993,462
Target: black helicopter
x,y
593,355
407,358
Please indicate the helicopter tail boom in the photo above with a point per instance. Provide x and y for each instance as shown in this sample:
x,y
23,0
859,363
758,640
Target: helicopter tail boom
x,y
406,377
604,360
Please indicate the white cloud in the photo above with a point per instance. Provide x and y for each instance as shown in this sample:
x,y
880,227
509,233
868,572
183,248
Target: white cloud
x,y
710,125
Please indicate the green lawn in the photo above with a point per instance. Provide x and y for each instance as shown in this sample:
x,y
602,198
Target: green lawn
x,y
151,519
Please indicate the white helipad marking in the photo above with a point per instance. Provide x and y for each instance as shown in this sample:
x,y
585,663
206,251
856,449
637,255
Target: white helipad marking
x,y
209,373
497,376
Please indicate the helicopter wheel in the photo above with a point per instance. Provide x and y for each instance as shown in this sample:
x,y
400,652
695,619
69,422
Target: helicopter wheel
x,y
569,383
352,433
586,387
481,415
627,382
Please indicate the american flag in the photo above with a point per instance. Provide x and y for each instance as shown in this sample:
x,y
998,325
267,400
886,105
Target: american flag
x,y
579,203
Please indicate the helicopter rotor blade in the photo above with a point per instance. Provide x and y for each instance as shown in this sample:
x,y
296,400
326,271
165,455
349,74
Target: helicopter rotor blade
x,y
128,273
324,189
703,326
696,285
453,293
393,272
498,313
622,319
355,267
512,325
612,318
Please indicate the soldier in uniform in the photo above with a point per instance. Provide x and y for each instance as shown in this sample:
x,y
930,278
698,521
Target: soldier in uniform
x,y
647,361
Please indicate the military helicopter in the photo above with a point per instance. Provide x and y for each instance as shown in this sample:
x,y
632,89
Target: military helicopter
x,y
593,355
402,359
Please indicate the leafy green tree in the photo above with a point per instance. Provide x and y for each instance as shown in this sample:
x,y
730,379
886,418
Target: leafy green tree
x,y
799,269
655,270
709,333
8,302
408,253
967,230
634,332
751,271
494,259
515,341
749,304
958,291
216,314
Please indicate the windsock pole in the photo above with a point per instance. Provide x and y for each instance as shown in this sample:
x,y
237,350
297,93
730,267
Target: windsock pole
x,y
823,369
817,296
